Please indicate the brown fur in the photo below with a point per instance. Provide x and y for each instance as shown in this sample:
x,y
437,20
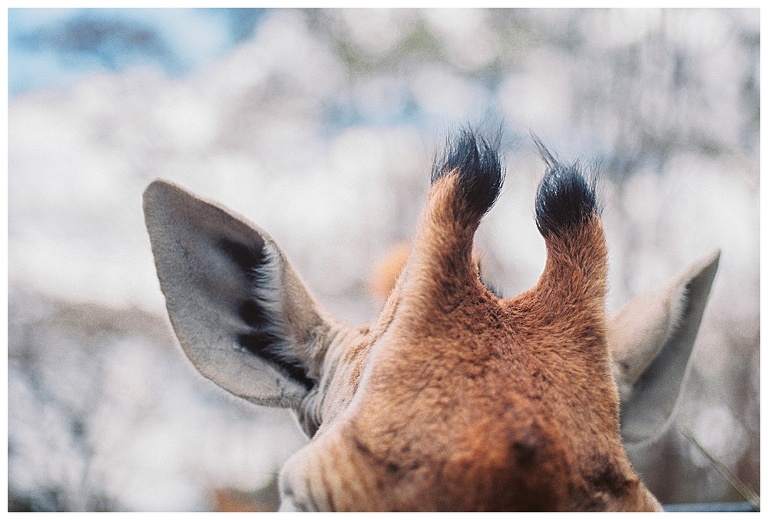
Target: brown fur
x,y
454,398
469,402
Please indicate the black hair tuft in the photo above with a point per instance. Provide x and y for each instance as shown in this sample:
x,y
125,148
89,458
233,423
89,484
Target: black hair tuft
x,y
476,160
565,198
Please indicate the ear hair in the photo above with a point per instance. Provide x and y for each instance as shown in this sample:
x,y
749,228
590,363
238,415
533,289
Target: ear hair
x,y
230,293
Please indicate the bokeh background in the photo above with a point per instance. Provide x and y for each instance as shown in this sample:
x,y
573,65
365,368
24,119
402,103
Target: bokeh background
x,y
320,126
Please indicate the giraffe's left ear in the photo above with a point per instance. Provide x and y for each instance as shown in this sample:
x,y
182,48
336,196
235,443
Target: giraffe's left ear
x,y
651,340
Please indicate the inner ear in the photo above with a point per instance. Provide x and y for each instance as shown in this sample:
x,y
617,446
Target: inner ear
x,y
266,335
224,283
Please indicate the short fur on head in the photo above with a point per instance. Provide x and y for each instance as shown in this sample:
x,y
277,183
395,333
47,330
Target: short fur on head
x,y
453,398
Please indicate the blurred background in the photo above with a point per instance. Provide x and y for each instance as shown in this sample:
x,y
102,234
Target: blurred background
x,y
320,126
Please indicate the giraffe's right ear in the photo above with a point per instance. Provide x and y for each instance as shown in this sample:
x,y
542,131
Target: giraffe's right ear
x,y
240,312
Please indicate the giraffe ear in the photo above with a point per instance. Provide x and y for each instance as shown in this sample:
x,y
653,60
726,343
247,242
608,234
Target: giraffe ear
x,y
651,341
241,314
